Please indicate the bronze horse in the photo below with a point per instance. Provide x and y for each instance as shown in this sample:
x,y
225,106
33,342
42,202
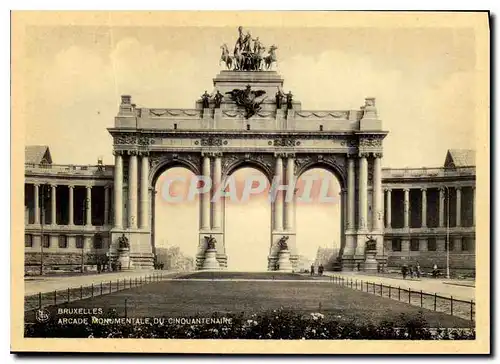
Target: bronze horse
x,y
225,57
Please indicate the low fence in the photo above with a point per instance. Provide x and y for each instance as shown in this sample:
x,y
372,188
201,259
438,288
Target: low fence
x,y
430,301
53,298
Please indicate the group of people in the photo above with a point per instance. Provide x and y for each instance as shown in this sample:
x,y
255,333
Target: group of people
x,y
410,271
321,269
106,267
416,272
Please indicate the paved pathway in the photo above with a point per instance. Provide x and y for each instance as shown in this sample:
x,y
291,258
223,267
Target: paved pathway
x,y
33,285
429,285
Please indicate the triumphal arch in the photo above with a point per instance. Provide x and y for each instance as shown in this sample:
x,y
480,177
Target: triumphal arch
x,y
248,120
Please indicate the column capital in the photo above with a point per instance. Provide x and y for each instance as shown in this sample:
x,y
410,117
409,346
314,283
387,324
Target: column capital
x,y
377,155
212,154
88,187
458,188
352,155
132,153
143,153
53,185
363,154
279,155
118,152
36,184
423,189
388,189
406,189
71,186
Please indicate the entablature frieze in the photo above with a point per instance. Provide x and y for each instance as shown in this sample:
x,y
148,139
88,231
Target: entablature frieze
x,y
69,182
67,229
278,138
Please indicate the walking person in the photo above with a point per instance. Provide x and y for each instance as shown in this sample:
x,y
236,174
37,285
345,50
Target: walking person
x,y
404,270
312,269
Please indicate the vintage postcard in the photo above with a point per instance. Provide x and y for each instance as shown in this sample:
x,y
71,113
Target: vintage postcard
x,y
277,182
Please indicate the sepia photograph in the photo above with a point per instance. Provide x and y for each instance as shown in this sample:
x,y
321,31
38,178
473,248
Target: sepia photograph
x,y
276,182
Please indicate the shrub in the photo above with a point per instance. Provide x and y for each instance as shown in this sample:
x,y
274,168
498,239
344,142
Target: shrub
x,y
275,324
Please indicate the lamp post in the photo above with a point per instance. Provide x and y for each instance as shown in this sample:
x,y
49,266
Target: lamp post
x,y
45,194
447,232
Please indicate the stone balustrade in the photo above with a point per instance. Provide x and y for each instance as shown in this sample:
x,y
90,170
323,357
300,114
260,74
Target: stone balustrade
x,y
427,172
69,169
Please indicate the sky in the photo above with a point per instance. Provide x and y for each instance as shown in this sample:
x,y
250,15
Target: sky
x,y
422,79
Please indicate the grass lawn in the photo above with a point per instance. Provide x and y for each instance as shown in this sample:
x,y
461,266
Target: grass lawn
x,y
189,298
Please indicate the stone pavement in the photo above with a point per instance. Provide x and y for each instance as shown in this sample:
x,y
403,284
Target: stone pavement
x,y
34,285
429,285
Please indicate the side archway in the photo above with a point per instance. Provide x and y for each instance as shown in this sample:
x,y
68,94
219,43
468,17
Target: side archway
x,y
328,215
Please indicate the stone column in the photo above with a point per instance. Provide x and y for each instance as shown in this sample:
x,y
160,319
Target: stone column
x,y
144,223
53,205
217,205
278,203
37,202
441,206
290,204
388,216
343,206
351,190
424,207
132,191
377,210
71,208
407,208
343,218
205,199
118,191
88,206
106,205
363,192
459,207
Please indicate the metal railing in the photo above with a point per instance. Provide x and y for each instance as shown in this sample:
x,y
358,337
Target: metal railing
x,y
431,301
54,298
